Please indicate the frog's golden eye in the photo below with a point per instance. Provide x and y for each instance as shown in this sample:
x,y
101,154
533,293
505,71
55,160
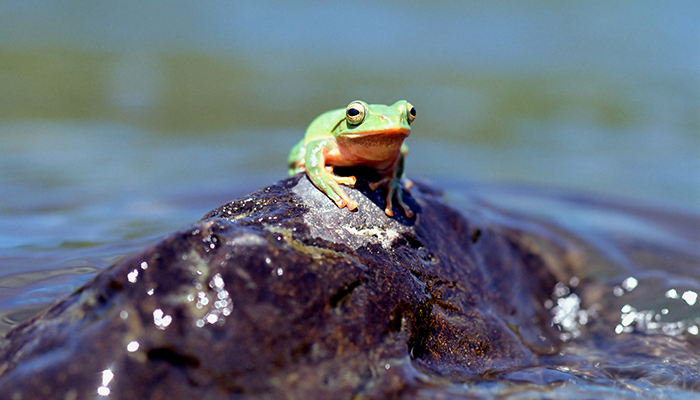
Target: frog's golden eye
x,y
355,113
410,112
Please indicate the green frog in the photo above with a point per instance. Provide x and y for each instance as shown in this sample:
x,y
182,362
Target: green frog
x,y
361,134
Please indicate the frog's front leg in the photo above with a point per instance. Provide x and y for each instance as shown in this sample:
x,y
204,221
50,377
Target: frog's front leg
x,y
322,175
395,186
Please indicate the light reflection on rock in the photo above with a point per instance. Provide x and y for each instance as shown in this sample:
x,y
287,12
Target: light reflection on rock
x,y
131,276
107,376
221,303
161,320
132,346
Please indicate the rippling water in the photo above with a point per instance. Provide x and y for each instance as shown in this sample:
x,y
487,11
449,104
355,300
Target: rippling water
x,y
122,122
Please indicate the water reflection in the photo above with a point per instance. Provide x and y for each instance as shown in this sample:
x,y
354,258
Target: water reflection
x,y
656,315
567,314
689,296
627,285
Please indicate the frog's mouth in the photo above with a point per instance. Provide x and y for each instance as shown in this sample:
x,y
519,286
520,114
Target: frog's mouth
x,y
388,132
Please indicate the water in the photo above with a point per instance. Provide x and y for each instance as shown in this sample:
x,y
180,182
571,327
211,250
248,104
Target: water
x,y
121,123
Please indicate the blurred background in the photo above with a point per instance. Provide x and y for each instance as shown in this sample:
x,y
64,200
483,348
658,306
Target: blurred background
x,y
122,121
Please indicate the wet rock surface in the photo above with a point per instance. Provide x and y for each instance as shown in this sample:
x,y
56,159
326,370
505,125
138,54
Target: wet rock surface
x,y
281,294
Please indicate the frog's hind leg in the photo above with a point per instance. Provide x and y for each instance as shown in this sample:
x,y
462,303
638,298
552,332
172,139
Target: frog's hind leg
x,y
394,187
400,192
295,169
296,160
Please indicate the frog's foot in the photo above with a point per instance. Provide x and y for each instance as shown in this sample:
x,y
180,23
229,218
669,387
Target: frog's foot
x,y
394,187
350,203
328,184
345,200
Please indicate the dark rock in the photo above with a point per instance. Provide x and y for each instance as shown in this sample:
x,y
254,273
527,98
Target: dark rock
x,y
282,294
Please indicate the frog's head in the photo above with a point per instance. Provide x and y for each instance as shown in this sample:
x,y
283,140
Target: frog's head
x,y
377,119
375,130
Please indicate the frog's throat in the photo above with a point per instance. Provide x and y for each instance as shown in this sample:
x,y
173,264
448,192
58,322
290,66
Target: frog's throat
x,y
376,151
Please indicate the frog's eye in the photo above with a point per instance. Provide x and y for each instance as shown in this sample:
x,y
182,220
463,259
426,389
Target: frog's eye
x,y
355,113
410,112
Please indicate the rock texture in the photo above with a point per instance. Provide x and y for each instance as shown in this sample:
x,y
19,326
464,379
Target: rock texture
x,y
282,295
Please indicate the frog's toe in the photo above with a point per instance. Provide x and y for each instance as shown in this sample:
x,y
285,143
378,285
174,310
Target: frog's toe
x,y
346,202
389,210
352,204
340,203
345,180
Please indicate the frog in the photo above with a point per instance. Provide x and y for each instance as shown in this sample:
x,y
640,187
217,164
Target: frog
x,y
361,134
